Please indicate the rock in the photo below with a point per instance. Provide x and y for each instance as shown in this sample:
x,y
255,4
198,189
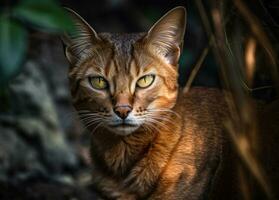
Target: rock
x,y
32,141
17,159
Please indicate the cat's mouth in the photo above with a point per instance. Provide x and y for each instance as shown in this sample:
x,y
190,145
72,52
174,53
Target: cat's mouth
x,y
123,127
123,124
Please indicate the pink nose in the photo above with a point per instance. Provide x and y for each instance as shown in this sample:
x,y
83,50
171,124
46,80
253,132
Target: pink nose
x,y
123,111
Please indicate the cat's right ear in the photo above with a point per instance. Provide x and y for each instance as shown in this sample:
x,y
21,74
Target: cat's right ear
x,y
165,37
79,42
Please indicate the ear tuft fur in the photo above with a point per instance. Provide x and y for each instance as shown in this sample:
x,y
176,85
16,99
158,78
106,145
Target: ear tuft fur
x,y
166,36
81,40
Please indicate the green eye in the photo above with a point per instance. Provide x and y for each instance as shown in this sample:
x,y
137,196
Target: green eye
x,y
145,81
98,83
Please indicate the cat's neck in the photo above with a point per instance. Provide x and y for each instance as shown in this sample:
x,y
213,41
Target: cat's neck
x,y
118,154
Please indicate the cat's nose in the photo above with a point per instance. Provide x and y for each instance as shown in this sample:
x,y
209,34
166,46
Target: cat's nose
x,y
123,111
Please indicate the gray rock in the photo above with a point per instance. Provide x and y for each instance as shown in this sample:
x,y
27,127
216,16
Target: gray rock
x,y
31,137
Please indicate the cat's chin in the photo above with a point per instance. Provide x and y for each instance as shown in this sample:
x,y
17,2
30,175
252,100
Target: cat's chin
x,y
123,130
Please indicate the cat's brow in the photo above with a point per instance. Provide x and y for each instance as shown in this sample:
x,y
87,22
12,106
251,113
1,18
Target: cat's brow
x,y
93,71
148,67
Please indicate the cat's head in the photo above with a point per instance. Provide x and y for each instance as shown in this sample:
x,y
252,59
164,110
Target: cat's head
x,y
124,81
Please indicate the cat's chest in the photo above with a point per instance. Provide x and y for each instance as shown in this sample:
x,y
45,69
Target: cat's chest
x,y
119,158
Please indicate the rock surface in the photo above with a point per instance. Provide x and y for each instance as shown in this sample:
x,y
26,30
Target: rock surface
x,y
40,146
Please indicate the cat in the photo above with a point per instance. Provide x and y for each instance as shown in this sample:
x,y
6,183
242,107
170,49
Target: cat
x,y
149,139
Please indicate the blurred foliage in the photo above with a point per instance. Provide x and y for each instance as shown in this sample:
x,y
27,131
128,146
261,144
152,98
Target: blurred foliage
x,y
15,21
243,47
13,37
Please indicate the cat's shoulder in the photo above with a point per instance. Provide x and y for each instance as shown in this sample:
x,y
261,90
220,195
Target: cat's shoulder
x,y
202,100
202,94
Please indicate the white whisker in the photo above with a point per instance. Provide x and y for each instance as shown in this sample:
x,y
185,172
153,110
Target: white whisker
x,y
96,127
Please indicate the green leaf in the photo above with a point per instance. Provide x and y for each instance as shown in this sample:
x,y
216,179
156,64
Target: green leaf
x,y
45,14
13,39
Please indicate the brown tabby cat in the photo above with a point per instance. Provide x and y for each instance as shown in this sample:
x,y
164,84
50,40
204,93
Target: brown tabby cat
x,y
149,140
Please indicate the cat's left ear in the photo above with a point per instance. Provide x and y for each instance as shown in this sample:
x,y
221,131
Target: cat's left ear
x,y
166,36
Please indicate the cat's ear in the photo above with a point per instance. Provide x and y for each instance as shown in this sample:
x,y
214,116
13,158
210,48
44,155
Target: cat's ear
x,y
81,40
166,36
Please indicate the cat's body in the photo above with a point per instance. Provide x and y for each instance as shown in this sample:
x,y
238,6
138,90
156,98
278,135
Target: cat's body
x,y
148,141
179,161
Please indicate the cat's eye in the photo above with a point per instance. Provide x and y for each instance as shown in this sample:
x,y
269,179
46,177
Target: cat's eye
x,y
145,81
98,83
